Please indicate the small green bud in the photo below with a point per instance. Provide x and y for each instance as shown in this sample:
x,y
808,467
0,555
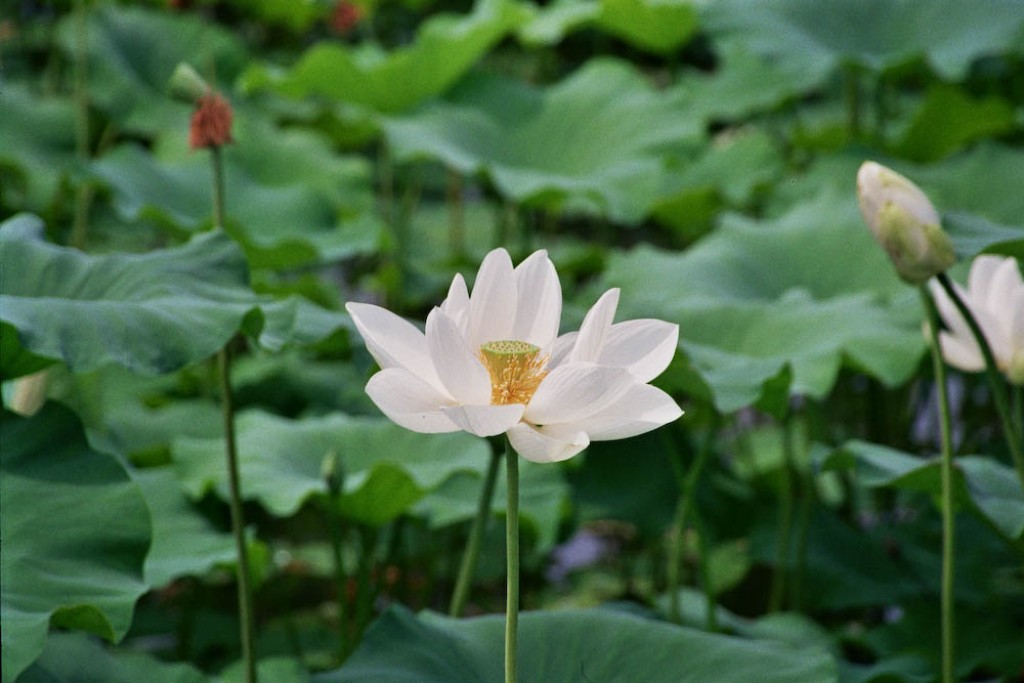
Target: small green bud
x,y
904,222
187,85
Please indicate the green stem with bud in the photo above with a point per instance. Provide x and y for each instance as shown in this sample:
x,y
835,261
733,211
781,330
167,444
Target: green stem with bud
x,y
245,599
948,539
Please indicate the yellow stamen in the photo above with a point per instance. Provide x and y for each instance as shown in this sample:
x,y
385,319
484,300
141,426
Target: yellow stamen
x,y
516,369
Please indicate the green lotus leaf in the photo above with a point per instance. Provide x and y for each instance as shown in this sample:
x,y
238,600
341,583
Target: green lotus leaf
x,y
385,469
445,48
308,206
877,34
184,543
744,83
729,172
151,313
990,487
949,119
597,645
592,143
658,26
809,291
70,658
75,532
131,60
37,147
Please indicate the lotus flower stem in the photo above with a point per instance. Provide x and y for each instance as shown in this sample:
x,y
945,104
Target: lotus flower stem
x,y
456,215
83,198
1010,426
245,602
948,539
686,503
469,558
785,531
512,554
710,608
335,481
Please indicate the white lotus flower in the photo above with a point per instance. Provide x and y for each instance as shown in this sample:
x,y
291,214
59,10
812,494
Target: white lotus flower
x,y
904,221
492,363
995,295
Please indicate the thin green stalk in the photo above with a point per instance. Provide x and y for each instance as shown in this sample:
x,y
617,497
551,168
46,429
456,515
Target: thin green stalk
x,y
703,567
456,215
245,602
851,86
778,591
512,554
84,195
364,589
948,540
683,507
1011,429
476,533
217,160
803,527
335,482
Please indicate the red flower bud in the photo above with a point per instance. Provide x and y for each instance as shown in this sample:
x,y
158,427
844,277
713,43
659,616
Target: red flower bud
x,y
211,122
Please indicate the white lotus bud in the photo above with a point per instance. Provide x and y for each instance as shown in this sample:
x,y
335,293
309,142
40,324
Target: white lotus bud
x,y
904,222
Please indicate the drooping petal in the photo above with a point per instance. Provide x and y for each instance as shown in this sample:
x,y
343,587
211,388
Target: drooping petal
x,y
456,305
961,353
644,347
595,328
393,341
546,444
539,306
572,392
485,420
640,410
492,305
457,365
410,402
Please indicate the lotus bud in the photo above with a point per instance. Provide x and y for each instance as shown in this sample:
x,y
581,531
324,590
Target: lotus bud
x,y
904,222
187,85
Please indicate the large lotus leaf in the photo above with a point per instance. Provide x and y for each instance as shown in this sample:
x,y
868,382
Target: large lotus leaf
x,y
445,48
70,658
75,535
385,469
744,83
593,142
878,34
37,147
992,488
809,291
151,313
309,205
594,645
658,26
184,543
949,119
131,59
729,172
